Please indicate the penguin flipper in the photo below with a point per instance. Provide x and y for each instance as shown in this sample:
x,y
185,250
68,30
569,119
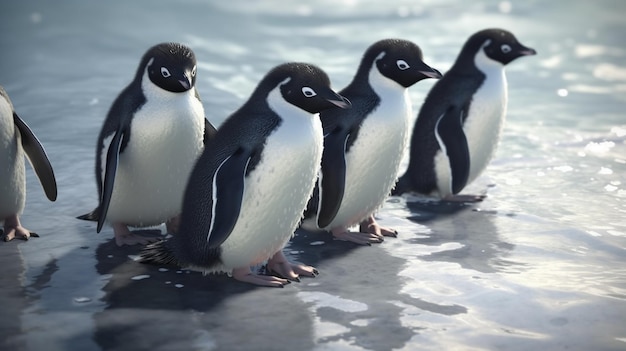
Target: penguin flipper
x,y
452,140
209,131
91,216
332,177
38,158
228,186
113,154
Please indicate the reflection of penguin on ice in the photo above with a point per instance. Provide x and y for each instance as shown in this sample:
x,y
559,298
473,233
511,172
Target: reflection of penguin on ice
x,y
17,141
363,146
247,192
148,144
459,125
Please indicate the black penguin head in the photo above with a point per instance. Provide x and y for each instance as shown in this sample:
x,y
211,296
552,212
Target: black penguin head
x,y
303,85
398,60
170,66
498,44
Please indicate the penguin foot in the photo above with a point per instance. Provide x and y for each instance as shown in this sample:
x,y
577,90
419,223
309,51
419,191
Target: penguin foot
x,y
464,198
371,226
245,275
13,229
123,236
357,238
279,266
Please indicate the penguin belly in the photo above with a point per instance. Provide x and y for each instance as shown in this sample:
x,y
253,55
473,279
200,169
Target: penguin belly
x,y
373,160
12,170
165,141
483,128
276,193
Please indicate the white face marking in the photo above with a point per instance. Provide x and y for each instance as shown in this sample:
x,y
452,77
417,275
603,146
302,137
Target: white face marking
x,y
483,62
308,92
402,65
282,107
382,85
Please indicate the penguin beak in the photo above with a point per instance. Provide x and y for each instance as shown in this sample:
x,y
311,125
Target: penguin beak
x,y
527,51
340,102
185,82
433,73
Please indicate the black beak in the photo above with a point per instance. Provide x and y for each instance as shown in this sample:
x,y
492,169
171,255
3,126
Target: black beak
x,y
433,73
528,52
340,101
185,81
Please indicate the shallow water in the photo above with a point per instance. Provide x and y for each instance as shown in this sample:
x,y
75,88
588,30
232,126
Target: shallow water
x,y
539,263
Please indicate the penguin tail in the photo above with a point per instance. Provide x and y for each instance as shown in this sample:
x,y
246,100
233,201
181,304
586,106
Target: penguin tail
x,y
159,253
93,216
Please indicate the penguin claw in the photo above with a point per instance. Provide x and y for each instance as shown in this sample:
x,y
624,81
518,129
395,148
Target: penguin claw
x,y
13,229
371,226
279,266
245,275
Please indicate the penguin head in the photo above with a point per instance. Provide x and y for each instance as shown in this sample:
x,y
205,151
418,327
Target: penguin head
x,y
499,45
170,66
398,60
305,86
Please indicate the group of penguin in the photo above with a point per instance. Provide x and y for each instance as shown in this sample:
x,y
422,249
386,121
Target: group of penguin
x,y
296,153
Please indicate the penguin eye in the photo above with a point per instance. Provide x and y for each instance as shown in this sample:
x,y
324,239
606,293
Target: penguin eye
x,y
402,65
165,72
505,48
193,71
308,92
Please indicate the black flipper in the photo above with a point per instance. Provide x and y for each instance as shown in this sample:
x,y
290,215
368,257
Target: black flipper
x,y
113,154
209,131
38,158
332,176
449,129
91,216
228,186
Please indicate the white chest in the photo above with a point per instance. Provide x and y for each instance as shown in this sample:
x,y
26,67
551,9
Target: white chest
x,y
486,116
165,140
373,160
278,189
483,124
12,171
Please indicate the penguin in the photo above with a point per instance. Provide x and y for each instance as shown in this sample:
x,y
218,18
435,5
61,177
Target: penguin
x,y
152,135
248,190
16,141
363,146
459,125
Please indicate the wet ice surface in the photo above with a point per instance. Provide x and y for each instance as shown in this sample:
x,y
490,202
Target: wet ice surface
x,y
538,264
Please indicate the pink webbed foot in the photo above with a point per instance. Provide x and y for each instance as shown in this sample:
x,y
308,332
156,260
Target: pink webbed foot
x,y
371,226
278,265
123,236
13,229
245,275
365,238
